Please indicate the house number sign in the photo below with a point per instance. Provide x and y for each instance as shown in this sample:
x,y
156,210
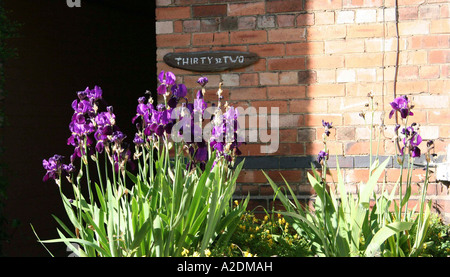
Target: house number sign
x,y
210,61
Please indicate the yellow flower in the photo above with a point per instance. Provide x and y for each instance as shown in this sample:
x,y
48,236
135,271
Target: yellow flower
x,y
266,218
247,254
185,252
207,253
236,202
196,254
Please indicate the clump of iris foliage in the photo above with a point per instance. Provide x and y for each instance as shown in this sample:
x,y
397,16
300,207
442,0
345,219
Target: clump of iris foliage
x,y
170,189
340,224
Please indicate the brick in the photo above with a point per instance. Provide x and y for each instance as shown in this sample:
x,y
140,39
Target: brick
x,y
345,17
230,80
408,72
306,134
168,13
288,78
191,26
334,148
209,25
210,38
345,75
326,90
248,93
344,46
248,79
429,41
268,78
393,174
439,56
268,50
431,101
366,74
316,119
282,105
429,132
362,148
308,106
173,40
164,27
326,32
286,20
407,87
228,23
323,4
380,44
178,26
305,19
284,6
365,30
366,16
286,64
324,18
245,37
429,12
347,104
163,2
407,13
290,120
324,61
286,35
345,133
288,135
265,21
304,48
415,27
209,11
307,77
439,116
286,92
364,60
441,26
246,9
246,22
326,75
410,2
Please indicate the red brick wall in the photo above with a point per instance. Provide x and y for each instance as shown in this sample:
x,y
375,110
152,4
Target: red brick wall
x,y
318,60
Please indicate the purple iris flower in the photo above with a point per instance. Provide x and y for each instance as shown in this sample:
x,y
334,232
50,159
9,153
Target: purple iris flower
x,y
411,141
166,80
327,126
55,167
202,81
95,94
179,91
322,156
402,105
106,127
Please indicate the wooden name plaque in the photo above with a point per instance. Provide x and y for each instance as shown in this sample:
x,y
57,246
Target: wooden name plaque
x,y
210,61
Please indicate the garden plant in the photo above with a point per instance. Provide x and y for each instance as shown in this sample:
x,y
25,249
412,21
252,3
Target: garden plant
x,y
170,191
174,192
341,224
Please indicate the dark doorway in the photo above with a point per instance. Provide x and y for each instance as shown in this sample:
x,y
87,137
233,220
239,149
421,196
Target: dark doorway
x,y
63,50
